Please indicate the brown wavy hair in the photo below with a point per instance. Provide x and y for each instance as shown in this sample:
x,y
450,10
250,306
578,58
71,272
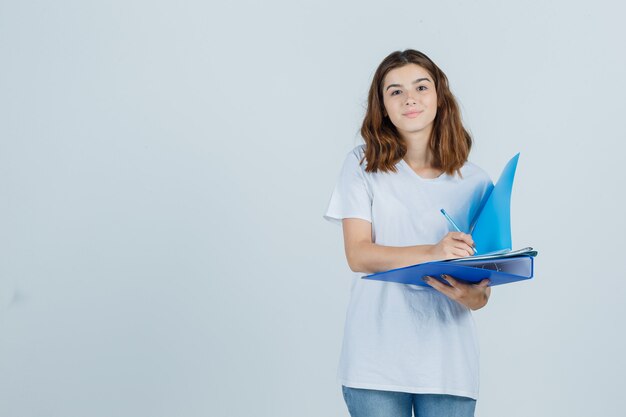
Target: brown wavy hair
x,y
449,142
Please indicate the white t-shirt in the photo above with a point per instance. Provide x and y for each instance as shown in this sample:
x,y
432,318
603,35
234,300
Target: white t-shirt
x,y
401,337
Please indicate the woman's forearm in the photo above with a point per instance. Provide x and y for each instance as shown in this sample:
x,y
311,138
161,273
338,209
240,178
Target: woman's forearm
x,y
369,257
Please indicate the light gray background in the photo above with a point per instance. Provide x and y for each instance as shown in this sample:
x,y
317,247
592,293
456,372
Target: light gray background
x,y
164,168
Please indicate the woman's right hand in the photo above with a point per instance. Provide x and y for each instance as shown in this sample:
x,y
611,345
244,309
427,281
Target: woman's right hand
x,y
453,245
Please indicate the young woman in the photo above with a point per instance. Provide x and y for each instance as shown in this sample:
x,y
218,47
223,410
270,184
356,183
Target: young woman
x,y
407,347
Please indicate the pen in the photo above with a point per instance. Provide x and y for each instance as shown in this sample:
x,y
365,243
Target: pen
x,y
455,226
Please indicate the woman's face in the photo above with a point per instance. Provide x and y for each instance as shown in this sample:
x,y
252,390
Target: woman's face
x,y
410,99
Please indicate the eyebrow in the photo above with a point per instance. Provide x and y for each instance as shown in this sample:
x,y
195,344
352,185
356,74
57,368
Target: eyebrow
x,y
414,82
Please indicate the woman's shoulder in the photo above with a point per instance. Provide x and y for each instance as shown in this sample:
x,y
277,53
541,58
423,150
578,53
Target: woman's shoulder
x,y
473,171
356,155
358,151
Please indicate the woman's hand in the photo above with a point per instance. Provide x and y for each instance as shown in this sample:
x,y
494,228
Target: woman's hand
x,y
453,245
473,296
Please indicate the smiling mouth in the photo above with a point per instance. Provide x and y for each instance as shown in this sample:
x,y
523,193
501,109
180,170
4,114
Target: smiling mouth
x,y
413,114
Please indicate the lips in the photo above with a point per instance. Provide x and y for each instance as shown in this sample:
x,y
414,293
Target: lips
x,y
413,113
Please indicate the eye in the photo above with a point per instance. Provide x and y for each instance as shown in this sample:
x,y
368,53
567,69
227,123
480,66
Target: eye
x,y
422,88
393,93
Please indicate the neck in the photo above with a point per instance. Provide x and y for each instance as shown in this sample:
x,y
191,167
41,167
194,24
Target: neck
x,y
418,154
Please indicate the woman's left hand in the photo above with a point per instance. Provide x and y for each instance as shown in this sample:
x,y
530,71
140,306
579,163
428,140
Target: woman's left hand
x,y
473,296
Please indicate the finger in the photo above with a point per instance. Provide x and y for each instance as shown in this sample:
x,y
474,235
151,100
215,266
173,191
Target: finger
x,y
463,237
464,247
453,282
484,283
461,253
462,243
458,235
465,244
460,285
439,286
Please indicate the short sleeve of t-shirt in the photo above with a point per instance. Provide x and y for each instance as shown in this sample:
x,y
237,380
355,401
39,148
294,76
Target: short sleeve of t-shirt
x,y
351,197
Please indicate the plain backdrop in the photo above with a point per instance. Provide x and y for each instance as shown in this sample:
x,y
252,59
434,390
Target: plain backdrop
x,y
164,169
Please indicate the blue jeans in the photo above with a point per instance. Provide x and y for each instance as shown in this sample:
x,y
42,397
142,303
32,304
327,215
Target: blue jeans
x,y
373,403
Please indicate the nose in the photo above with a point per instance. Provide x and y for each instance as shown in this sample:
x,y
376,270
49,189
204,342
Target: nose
x,y
409,99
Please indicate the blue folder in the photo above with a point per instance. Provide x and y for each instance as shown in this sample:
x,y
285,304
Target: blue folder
x,y
499,271
491,226
491,232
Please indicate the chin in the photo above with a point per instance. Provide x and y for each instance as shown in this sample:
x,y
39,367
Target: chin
x,y
414,129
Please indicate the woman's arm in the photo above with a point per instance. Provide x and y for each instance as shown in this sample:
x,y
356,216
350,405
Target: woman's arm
x,y
365,256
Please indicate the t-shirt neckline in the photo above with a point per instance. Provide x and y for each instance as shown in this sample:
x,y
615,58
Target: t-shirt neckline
x,y
416,175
